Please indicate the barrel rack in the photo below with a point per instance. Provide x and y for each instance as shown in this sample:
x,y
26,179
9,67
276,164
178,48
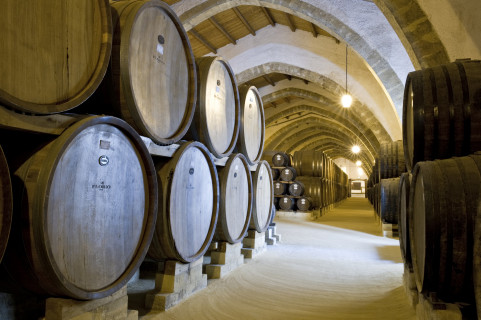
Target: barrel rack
x,y
167,293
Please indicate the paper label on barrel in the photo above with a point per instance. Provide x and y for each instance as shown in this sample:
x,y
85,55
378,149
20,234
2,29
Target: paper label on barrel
x,y
160,48
295,187
285,199
303,201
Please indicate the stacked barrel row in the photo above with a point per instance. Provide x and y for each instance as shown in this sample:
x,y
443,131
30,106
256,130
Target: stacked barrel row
x,y
440,195
383,182
81,209
320,181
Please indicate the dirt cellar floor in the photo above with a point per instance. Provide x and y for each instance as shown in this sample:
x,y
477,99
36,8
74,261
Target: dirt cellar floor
x,y
337,267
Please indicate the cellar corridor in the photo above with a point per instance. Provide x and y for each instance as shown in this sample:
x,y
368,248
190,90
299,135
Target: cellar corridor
x,y
338,267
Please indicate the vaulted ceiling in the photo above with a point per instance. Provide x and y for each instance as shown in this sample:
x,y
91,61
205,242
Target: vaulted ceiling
x,y
295,52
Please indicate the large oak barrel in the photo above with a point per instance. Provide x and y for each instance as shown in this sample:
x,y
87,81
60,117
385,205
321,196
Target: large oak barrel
x,y
252,126
235,206
310,163
280,188
153,76
287,203
477,260
85,211
281,159
304,203
443,201
403,225
391,158
296,189
54,53
287,174
389,200
188,204
315,189
263,197
442,112
217,116
5,203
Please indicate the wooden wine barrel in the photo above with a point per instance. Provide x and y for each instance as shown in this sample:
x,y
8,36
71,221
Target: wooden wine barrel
x,y
154,80
444,198
287,203
389,200
217,116
85,211
403,225
391,160
280,188
263,197
281,159
310,163
288,174
304,203
57,60
276,174
477,261
442,112
5,203
296,189
188,211
235,205
315,189
252,126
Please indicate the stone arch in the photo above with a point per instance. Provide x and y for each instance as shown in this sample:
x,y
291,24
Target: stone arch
x,y
394,130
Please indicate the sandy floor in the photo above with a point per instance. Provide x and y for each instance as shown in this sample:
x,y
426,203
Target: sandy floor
x,y
339,267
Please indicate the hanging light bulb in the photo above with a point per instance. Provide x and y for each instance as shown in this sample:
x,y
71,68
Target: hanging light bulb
x,y
346,99
358,163
355,149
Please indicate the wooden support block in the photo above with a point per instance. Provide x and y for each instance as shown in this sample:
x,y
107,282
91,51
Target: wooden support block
x,y
174,282
427,309
254,244
225,259
271,237
111,307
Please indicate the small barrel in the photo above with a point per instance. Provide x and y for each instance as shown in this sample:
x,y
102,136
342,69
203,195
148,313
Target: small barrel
x,y
85,208
153,76
276,174
217,116
442,112
263,197
280,188
310,163
304,203
315,189
403,225
287,203
235,206
252,126
281,159
5,203
389,200
444,199
296,189
54,55
188,211
288,174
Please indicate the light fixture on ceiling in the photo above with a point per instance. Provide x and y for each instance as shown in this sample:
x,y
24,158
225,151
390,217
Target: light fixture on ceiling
x,y
358,163
346,99
355,149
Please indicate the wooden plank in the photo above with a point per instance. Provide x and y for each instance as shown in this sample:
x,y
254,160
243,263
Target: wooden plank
x,y
290,22
314,30
244,21
222,30
269,17
201,39
269,80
